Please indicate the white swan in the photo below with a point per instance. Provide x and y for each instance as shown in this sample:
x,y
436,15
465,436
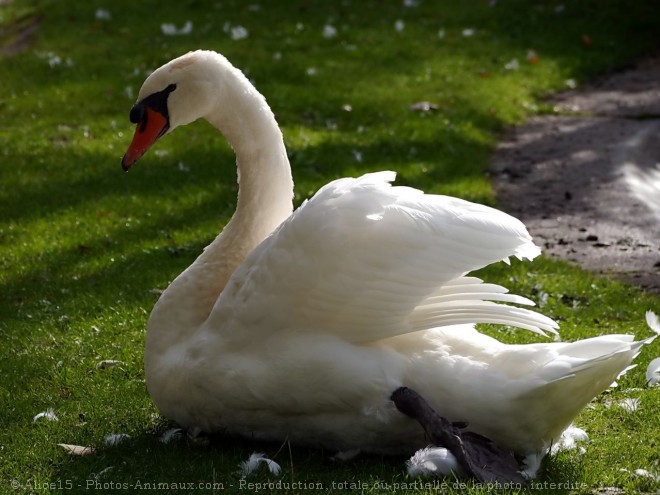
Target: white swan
x,y
301,325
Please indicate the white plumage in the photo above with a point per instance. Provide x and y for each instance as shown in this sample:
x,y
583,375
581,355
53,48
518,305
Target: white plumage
x,y
301,325
364,261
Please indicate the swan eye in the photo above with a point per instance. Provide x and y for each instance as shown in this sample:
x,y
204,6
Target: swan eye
x,y
155,101
137,112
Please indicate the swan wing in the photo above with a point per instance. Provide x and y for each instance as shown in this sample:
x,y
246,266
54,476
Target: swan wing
x,y
364,260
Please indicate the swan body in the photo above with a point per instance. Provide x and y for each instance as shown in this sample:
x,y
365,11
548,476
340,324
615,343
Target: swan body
x,y
300,325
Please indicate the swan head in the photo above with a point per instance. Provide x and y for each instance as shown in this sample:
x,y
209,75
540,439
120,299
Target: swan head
x,y
178,93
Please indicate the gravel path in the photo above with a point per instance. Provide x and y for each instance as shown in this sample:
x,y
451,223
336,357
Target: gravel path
x,y
586,181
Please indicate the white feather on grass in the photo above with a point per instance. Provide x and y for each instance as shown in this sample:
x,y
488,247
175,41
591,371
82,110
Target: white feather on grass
x,y
628,405
569,440
647,474
169,29
108,363
623,372
103,472
171,434
256,459
116,438
653,373
48,414
432,461
653,322
653,370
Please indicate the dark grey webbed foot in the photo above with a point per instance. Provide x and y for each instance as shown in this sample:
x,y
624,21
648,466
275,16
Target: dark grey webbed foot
x,y
477,455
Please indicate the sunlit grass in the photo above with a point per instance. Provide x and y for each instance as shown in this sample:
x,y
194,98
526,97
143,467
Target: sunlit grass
x,y
85,249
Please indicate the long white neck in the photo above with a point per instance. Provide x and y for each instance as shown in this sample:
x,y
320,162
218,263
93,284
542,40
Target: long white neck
x,y
264,201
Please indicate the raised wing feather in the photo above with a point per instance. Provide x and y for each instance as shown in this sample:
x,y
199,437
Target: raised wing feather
x,y
364,261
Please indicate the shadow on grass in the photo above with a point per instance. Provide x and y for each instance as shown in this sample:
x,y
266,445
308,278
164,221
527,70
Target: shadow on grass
x,y
219,462
131,195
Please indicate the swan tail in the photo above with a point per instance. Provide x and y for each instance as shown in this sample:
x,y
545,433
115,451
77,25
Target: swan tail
x,y
579,372
469,300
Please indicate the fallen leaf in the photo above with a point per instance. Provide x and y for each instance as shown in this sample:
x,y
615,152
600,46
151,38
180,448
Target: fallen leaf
x,y
77,449
532,57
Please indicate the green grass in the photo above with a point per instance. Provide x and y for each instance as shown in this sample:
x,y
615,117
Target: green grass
x,y
85,248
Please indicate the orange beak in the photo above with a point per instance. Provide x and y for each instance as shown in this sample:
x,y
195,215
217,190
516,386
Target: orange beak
x,y
152,126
